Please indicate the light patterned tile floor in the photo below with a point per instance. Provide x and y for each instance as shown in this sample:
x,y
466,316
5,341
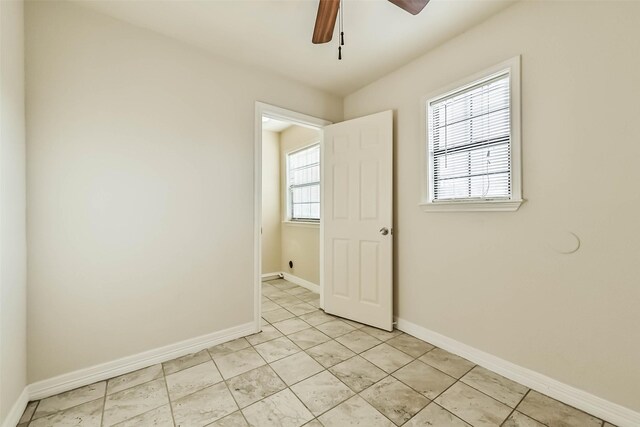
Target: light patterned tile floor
x,y
308,368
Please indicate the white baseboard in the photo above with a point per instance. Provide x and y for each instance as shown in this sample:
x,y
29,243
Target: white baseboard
x,y
601,408
301,282
103,371
293,279
271,276
14,415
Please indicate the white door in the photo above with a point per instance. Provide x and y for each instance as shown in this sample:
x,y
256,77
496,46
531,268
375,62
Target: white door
x,y
357,216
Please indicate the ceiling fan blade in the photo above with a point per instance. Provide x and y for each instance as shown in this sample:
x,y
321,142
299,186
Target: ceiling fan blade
x,y
325,21
414,7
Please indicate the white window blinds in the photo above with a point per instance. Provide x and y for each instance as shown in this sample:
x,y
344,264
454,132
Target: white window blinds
x,y
470,142
303,175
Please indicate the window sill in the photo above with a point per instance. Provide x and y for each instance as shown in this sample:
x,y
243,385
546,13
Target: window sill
x,y
473,206
304,224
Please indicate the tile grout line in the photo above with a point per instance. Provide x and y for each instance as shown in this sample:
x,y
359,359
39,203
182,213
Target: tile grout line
x,y
104,403
34,411
228,389
74,406
384,415
514,408
390,374
324,369
387,374
166,386
287,386
170,401
327,369
457,380
304,379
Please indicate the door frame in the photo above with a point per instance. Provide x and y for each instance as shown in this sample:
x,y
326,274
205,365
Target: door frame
x,y
277,113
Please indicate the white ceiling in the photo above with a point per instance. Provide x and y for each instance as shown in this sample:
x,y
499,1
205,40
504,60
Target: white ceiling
x,y
276,34
275,125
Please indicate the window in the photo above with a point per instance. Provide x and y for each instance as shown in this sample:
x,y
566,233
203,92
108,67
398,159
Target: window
x,y
472,143
303,184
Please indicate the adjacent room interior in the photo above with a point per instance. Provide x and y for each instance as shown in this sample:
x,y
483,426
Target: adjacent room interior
x,y
319,213
291,202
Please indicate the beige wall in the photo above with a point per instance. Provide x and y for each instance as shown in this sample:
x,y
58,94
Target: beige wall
x,y
300,242
13,252
140,187
271,217
572,317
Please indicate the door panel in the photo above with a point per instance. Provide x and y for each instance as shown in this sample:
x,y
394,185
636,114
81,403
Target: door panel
x,y
357,167
340,191
340,276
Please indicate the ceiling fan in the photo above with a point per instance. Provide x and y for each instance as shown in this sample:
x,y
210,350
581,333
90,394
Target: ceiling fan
x,y
328,11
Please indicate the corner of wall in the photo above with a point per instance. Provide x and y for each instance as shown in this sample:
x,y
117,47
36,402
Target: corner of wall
x,y
13,282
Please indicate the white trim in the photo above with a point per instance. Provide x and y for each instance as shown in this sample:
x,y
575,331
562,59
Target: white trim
x,y
303,224
285,115
293,279
271,276
322,215
301,282
513,67
263,109
477,206
14,415
604,409
103,371
307,144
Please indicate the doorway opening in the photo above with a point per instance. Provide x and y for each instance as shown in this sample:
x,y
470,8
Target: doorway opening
x,y
354,200
288,211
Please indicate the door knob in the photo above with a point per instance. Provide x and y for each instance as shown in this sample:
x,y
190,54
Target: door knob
x,y
384,231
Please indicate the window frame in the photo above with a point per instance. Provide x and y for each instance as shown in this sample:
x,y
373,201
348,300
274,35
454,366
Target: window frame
x,y
511,66
289,199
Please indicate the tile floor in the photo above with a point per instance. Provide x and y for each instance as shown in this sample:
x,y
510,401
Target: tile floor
x,y
308,368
